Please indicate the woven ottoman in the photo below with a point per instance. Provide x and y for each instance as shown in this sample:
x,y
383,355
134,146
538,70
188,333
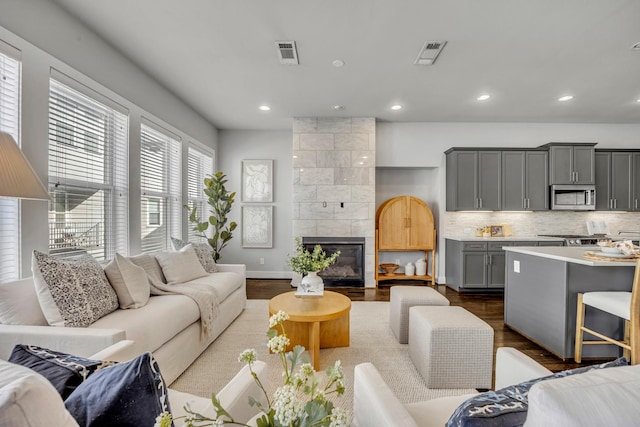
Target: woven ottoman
x,y
451,347
404,297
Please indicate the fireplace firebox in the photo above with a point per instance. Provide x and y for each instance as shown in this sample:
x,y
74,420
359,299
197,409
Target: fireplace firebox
x,y
348,270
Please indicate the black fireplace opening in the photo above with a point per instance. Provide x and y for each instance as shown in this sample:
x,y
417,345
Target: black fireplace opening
x,y
348,270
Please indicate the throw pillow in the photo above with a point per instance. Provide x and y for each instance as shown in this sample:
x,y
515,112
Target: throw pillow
x,y
151,266
181,266
127,394
129,281
28,399
508,406
72,291
19,304
64,371
203,250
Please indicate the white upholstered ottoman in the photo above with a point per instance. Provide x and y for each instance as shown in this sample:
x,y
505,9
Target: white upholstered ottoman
x,y
450,347
404,297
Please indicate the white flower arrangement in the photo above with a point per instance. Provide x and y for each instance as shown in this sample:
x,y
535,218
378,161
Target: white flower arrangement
x,y
286,408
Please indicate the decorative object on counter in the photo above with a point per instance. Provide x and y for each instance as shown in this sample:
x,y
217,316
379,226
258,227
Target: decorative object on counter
x,y
389,269
311,285
421,267
409,269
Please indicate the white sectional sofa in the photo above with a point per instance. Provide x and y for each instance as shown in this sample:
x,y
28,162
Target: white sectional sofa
x,y
27,398
168,326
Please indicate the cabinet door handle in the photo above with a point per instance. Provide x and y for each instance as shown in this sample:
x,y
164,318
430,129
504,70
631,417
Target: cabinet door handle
x,y
480,203
576,180
615,203
490,259
636,203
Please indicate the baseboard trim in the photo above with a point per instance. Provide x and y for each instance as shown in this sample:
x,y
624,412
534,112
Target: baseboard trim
x,y
257,274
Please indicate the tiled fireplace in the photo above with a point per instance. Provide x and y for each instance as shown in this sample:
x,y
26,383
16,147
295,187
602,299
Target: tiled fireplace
x,y
334,181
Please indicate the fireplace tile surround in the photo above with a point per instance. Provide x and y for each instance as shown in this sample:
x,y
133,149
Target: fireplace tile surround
x,y
334,181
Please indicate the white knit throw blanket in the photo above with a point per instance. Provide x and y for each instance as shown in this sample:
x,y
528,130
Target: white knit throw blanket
x,y
202,294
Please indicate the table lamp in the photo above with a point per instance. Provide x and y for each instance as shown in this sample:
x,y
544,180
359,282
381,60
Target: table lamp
x,y
17,177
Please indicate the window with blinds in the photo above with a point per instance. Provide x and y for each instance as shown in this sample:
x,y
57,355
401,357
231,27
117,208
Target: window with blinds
x,y
88,175
200,166
9,123
160,178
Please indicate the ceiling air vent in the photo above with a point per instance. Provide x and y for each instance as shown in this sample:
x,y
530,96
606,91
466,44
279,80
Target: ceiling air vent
x,y
429,52
287,52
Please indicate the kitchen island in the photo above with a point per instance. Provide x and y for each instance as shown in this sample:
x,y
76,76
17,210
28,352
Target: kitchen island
x,y
540,298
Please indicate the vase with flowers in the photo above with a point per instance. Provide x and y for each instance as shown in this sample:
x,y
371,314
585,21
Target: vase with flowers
x,y
301,402
309,264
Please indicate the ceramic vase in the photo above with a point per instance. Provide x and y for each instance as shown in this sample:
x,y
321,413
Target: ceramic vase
x,y
312,282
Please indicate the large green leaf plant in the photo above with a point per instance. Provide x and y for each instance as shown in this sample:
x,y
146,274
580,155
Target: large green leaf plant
x,y
220,201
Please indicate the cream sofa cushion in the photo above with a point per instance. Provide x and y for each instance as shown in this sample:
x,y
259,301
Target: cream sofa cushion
x,y
129,281
29,399
181,266
435,412
150,265
603,397
19,304
162,318
223,283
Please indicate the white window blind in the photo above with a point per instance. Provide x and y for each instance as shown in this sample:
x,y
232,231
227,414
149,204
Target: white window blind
x,y
160,178
88,175
200,166
9,208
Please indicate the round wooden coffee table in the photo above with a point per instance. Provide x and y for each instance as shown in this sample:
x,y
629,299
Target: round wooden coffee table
x,y
315,322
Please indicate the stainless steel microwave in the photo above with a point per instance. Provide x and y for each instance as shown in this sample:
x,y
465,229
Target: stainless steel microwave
x,y
573,197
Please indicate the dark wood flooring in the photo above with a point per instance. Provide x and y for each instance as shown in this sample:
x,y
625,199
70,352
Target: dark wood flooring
x,y
489,307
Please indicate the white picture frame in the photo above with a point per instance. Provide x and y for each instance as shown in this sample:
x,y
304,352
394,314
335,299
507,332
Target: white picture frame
x,y
257,226
257,181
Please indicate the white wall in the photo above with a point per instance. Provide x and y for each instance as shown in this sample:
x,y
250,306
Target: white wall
x,y
235,146
50,38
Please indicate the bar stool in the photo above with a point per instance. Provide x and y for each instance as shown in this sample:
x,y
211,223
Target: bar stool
x,y
622,304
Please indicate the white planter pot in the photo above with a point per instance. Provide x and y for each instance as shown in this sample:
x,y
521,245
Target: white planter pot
x,y
312,282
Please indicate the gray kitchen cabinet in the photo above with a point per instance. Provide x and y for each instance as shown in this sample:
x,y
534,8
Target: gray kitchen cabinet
x,y
635,198
614,186
571,163
473,180
525,180
480,264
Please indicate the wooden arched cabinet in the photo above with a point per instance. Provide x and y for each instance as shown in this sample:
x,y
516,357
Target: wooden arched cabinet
x,y
405,224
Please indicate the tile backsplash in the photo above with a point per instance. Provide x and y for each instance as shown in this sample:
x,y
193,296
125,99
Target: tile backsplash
x,y
529,224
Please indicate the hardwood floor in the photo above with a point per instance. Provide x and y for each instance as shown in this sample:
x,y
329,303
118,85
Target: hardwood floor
x,y
489,307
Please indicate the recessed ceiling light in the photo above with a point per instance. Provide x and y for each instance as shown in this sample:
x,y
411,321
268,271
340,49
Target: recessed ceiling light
x,y
338,63
483,97
396,107
565,98
264,108
338,107
637,100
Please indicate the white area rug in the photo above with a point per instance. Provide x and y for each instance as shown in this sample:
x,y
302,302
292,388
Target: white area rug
x,y
371,341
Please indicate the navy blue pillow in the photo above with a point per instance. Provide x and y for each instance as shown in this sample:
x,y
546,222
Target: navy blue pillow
x,y
508,406
64,371
132,394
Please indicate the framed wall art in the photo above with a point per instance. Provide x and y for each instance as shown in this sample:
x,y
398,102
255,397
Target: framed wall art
x,y
257,181
257,226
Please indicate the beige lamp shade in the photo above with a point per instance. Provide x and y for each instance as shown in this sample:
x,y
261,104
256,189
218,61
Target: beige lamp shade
x,y
17,177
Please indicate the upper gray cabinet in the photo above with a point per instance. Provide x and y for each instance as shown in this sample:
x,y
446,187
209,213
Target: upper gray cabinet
x,y
571,163
614,185
525,180
635,199
473,179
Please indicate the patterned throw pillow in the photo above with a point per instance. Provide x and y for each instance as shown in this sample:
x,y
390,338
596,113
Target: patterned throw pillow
x,y
72,291
131,393
203,250
64,371
508,406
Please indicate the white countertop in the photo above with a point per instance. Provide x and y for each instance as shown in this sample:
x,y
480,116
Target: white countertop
x,y
473,238
569,254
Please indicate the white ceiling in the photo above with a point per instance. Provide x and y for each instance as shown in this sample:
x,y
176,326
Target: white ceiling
x,y
219,57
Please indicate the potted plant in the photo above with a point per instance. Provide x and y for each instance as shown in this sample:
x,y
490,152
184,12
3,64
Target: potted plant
x,y
309,264
220,200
